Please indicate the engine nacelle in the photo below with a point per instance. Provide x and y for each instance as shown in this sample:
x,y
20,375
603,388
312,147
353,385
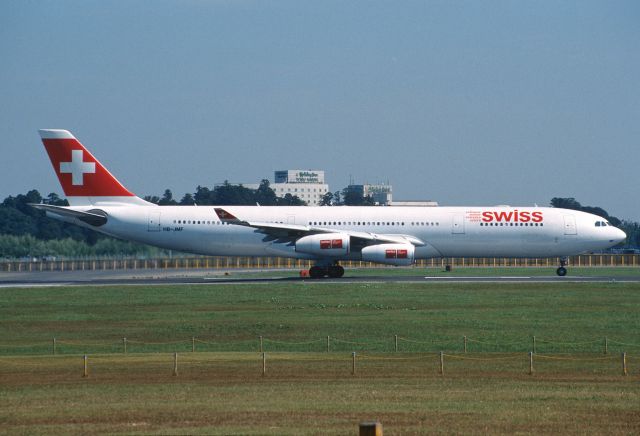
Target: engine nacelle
x,y
390,254
325,244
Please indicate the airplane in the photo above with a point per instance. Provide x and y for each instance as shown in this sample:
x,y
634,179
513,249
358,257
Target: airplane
x,y
325,235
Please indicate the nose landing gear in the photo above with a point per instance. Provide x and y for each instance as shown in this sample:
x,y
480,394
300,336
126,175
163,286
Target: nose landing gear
x,y
334,271
562,271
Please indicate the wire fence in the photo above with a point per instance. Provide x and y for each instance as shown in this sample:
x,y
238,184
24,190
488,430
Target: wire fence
x,y
391,344
301,364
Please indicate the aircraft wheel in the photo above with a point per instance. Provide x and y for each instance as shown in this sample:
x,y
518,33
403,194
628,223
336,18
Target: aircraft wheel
x,y
315,272
336,271
562,271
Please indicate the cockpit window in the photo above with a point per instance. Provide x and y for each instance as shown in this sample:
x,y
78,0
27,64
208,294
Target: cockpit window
x,y
602,223
597,223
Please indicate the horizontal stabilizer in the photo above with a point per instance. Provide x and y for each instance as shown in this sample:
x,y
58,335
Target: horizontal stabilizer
x,y
94,217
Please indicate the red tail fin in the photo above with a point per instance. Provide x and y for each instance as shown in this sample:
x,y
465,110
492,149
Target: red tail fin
x,y
80,174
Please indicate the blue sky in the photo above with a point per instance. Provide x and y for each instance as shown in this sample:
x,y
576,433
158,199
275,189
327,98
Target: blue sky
x,y
463,102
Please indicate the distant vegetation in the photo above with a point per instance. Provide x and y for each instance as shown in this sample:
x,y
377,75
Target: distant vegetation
x,y
228,194
347,197
27,232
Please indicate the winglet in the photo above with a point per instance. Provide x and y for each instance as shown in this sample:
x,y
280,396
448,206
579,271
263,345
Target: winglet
x,y
226,217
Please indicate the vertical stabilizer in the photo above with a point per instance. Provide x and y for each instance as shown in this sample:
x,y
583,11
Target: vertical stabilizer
x,y
84,180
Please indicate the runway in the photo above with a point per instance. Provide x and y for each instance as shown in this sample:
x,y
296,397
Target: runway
x,y
204,277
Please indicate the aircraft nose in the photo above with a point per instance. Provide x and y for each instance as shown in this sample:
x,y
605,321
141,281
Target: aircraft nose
x,y
619,236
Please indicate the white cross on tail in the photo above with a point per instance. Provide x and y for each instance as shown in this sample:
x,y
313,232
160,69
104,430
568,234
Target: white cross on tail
x,y
77,167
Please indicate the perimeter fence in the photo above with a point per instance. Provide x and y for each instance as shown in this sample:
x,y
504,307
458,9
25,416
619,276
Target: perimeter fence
x,y
326,344
228,366
261,263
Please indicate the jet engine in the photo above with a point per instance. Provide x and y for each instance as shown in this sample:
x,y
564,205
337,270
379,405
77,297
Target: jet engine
x,y
390,254
324,244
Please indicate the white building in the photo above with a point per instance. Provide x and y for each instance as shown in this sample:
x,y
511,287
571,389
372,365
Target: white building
x,y
307,185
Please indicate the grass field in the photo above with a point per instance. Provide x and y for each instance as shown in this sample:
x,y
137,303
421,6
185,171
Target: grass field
x,y
220,388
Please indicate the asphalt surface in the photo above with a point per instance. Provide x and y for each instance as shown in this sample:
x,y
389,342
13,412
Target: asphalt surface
x,y
183,277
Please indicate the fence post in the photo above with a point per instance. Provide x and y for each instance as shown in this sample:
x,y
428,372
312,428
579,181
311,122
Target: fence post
x,y
124,345
465,343
328,344
534,345
175,364
54,346
372,428
530,362
396,343
261,349
606,345
624,363
264,363
193,344
353,363
85,372
441,363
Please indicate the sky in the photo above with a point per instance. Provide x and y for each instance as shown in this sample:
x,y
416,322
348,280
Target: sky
x,y
462,102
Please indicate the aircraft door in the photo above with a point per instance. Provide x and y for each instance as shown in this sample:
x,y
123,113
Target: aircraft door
x,y
570,225
154,221
457,226
291,219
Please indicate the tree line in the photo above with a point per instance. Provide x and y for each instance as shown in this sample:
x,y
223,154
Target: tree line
x,y
27,232
347,197
230,195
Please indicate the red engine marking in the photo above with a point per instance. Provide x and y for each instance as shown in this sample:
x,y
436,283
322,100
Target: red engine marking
x,y
336,243
325,244
402,254
391,254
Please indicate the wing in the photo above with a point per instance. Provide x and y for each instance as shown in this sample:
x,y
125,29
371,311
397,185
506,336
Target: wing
x,y
281,232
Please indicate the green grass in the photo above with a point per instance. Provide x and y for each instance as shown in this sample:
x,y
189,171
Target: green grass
x,y
425,316
219,389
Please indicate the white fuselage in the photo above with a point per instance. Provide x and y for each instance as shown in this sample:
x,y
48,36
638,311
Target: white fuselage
x,y
445,231
388,235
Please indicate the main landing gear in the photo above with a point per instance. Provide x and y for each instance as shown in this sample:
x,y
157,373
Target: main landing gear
x,y
334,271
562,271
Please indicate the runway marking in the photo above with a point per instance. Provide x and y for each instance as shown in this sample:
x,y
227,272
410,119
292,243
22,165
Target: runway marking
x,y
480,278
